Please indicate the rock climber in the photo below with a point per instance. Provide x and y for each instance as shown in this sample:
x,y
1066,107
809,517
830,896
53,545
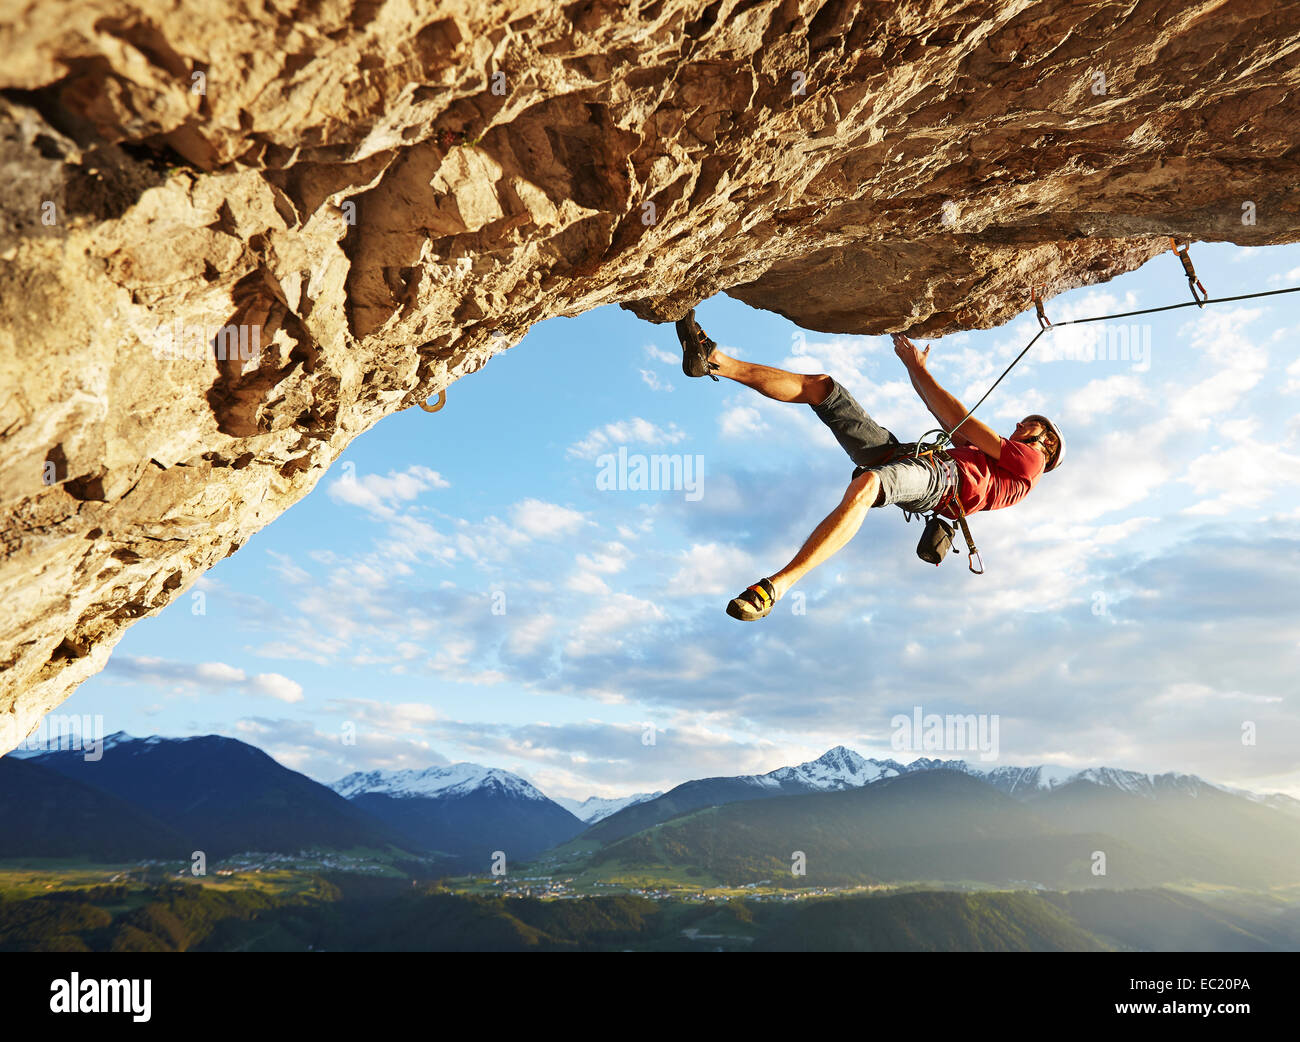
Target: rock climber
x,y
982,471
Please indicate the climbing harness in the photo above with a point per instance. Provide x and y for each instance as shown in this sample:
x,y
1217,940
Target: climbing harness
x,y
937,537
933,539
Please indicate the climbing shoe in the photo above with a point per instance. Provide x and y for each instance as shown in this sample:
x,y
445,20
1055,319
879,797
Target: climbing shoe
x,y
755,603
696,347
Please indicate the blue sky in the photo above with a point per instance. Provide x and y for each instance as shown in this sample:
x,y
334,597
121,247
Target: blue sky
x,y
457,587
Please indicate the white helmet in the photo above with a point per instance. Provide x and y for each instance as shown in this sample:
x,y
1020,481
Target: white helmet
x,y
1055,461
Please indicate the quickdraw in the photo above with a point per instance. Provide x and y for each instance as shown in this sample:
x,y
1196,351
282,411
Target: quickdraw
x,y
1193,282
1036,295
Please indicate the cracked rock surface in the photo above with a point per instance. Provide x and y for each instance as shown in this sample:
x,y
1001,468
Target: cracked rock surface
x,y
233,236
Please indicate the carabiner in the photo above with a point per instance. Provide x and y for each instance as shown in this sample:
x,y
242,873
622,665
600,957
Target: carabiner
x,y
1043,321
1193,280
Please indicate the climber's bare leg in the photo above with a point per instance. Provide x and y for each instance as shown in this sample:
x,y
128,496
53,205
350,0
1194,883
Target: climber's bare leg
x,y
829,537
774,383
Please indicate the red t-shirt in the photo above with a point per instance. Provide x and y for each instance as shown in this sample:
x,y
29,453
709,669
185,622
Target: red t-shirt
x,y
989,484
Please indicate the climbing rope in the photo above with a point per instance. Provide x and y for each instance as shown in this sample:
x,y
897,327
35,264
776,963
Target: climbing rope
x,y
944,438
1200,302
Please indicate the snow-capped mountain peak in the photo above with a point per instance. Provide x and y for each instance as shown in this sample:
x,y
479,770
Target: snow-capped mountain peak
x,y
1045,777
40,744
596,808
1014,780
842,768
458,779
837,768
120,738
925,763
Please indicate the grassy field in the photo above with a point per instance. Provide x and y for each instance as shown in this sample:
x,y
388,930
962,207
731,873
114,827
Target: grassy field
x,y
31,877
83,906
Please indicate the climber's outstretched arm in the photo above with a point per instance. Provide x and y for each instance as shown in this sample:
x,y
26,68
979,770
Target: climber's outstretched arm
x,y
943,406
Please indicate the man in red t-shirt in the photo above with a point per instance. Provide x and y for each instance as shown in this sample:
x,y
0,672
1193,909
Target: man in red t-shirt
x,y
987,471
989,482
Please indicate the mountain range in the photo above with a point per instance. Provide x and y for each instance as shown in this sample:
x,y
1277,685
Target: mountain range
x,y
952,827
44,814
857,819
467,811
841,768
214,794
594,808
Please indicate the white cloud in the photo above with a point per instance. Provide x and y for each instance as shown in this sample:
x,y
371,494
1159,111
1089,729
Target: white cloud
x,y
217,674
202,678
409,540
651,379
1242,477
741,421
1092,302
1098,398
530,635
843,357
660,355
612,558
1293,378
384,716
381,494
316,751
276,686
1121,470
712,568
635,431
490,540
1015,407
287,570
599,630
542,520
587,582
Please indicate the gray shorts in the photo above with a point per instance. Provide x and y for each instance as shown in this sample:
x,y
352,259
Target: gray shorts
x,y
914,485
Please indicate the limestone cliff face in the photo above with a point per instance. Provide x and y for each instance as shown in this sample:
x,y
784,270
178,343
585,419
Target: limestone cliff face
x,y
381,194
